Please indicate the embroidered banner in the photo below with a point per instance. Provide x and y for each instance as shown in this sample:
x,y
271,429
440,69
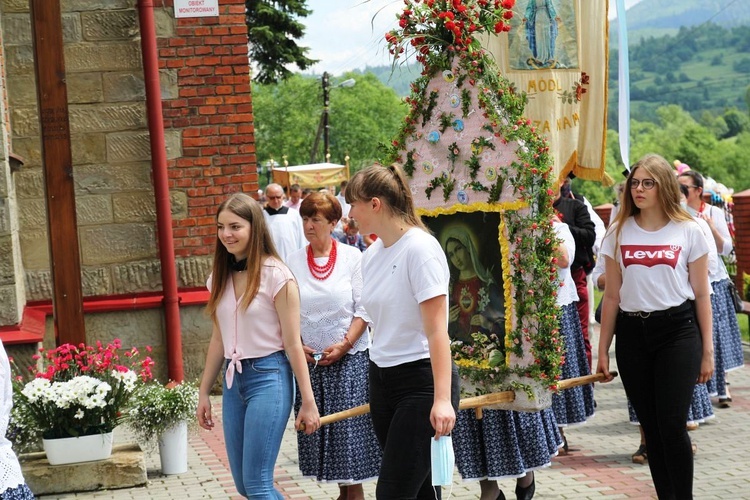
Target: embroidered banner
x,y
556,52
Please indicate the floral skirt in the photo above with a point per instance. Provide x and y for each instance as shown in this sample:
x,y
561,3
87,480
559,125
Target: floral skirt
x,y
21,492
727,341
346,451
504,444
700,408
575,405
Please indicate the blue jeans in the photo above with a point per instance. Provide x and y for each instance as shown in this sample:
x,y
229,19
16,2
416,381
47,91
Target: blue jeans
x,y
255,412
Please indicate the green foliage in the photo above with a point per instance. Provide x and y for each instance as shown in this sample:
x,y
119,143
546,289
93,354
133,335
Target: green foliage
x,y
287,116
155,408
701,68
273,31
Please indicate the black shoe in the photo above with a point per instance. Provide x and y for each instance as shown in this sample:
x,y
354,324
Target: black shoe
x,y
500,496
526,493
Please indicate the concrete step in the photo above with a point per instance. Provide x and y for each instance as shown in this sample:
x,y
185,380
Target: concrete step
x,y
124,469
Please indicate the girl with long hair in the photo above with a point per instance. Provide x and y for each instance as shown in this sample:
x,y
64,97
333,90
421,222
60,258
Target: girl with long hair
x,y
255,308
657,301
413,382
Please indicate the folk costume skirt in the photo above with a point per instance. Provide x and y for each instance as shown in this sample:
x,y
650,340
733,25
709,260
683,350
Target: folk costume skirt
x,y
727,341
347,451
504,444
575,405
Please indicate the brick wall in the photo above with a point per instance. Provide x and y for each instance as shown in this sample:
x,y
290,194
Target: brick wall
x,y
213,111
741,214
205,82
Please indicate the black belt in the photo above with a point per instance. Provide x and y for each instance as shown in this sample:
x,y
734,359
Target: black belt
x,y
685,306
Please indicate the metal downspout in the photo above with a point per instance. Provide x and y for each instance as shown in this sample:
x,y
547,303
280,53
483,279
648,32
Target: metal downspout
x,y
161,190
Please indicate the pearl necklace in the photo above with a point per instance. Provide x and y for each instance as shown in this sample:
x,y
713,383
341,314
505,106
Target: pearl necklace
x,y
321,272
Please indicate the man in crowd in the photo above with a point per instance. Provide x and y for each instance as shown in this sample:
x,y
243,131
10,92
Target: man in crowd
x,y
284,224
295,197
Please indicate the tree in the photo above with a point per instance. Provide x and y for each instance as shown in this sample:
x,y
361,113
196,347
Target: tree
x,y
273,31
287,115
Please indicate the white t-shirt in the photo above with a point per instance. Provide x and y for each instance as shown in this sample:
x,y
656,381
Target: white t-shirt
x,y
345,207
716,269
328,307
720,223
654,264
396,280
567,293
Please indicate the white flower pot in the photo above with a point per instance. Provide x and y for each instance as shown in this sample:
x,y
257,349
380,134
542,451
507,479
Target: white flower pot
x,y
78,449
173,444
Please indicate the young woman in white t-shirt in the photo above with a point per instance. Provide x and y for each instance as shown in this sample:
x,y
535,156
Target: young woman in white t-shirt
x,y
413,382
657,300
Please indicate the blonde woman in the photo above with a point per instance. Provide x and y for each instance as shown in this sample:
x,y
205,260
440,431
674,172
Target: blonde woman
x,y
413,382
657,300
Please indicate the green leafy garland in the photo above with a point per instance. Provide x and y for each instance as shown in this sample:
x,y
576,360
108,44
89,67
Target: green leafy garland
x,y
442,34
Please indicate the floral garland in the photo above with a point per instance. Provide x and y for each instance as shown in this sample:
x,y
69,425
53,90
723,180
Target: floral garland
x,y
442,34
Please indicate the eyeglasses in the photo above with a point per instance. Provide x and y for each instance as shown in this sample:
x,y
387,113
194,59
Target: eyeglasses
x,y
274,197
646,183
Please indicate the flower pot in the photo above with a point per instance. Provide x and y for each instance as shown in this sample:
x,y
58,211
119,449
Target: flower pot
x,y
173,445
78,449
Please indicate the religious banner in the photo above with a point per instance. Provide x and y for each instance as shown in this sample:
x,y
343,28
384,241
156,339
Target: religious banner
x,y
556,52
316,175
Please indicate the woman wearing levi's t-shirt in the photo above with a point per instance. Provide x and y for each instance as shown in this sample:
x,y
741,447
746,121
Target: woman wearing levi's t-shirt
x,y
414,387
255,308
727,338
657,300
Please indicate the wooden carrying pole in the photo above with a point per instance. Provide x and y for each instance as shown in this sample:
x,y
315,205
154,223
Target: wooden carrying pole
x,y
466,403
52,97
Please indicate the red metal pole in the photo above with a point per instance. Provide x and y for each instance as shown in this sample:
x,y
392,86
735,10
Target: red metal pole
x,y
161,189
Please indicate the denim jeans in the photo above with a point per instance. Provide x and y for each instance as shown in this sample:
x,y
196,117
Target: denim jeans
x,y
401,399
659,362
255,412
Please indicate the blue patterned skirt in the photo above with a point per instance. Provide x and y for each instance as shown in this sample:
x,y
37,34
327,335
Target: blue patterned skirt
x,y
346,451
575,405
504,444
727,340
700,407
21,492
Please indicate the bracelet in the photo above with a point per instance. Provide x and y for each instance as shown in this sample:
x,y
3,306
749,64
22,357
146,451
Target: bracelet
x,y
351,346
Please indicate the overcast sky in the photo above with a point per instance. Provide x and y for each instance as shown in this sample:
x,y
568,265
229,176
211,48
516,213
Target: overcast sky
x,y
348,34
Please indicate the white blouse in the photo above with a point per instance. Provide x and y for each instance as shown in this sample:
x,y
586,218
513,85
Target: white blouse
x,y
10,470
328,307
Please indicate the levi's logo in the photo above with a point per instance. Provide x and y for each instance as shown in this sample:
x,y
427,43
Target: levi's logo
x,y
650,255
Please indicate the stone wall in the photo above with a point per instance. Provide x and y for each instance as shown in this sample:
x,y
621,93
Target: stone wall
x,y
205,86
208,129
12,294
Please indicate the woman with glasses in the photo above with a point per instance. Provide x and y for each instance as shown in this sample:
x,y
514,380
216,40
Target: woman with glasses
x,y
727,338
657,301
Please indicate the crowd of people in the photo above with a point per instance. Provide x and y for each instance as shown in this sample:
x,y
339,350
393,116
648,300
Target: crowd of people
x,y
294,296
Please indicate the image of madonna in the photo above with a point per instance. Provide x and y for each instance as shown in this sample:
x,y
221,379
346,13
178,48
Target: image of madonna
x,y
476,301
